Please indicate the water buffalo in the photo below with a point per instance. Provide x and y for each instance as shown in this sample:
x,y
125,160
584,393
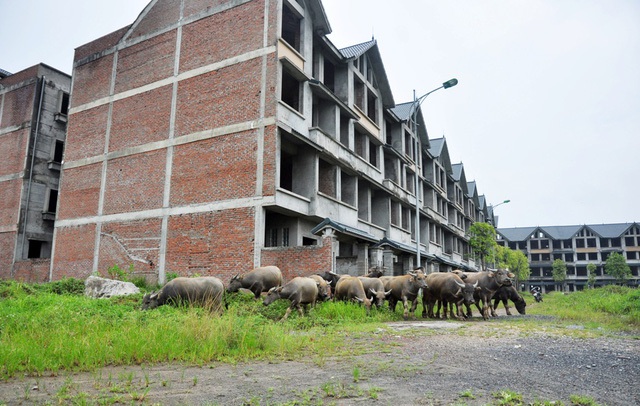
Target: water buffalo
x,y
257,281
405,288
374,289
206,291
489,282
448,289
351,288
506,293
324,289
301,291
332,278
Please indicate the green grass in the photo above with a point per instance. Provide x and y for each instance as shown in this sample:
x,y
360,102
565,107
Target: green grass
x,y
52,327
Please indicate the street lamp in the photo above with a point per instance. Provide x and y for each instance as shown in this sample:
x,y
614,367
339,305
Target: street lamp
x,y
491,207
418,154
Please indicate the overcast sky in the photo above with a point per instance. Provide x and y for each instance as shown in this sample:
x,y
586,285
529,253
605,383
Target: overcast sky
x,y
546,112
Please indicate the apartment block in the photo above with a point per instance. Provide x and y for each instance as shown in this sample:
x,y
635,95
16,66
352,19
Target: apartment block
x,y
33,118
210,137
578,246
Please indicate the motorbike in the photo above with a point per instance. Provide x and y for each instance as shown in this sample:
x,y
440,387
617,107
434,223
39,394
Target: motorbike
x,y
537,294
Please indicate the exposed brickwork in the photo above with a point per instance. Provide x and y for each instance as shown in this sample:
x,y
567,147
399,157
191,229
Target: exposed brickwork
x,y
231,96
135,182
86,133
131,243
32,271
225,169
299,261
130,128
13,145
164,13
196,7
218,37
7,248
80,191
218,243
92,81
99,45
269,161
18,106
146,62
20,76
10,202
74,252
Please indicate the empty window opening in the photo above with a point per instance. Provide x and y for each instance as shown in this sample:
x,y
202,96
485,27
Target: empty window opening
x,y
58,150
372,107
327,178
291,91
329,75
64,103
359,92
286,171
52,204
345,249
35,249
309,241
291,27
373,154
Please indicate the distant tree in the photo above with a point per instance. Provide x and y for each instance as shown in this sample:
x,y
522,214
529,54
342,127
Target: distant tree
x,y
617,267
519,265
559,271
483,241
591,275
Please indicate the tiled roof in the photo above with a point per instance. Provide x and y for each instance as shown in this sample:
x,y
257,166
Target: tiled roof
x,y
4,73
610,230
565,232
516,234
560,232
355,51
436,146
403,111
457,171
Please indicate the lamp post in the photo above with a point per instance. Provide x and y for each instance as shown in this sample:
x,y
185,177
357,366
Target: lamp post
x,y
491,207
418,154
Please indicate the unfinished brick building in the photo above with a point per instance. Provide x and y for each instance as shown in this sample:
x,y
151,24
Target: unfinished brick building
x,y
209,137
33,119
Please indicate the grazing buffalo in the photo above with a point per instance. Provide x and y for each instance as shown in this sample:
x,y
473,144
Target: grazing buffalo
x,y
206,291
448,289
332,278
374,289
324,289
301,291
257,281
489,282
506,293
375,271
405,288
351,288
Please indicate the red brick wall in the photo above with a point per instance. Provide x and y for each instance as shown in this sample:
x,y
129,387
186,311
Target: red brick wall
x,y
32,271
222,36
218,243
135,182
299,261
130,128
86,132
10,203
80,191
231,96
146,62
74,252
7,247
130,243
91,81
18,105
163,13
225,169
99,45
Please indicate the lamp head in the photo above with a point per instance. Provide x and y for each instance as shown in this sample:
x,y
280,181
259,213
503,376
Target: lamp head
x,y
450,83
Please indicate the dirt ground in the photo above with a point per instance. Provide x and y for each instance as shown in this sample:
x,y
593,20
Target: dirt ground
x,y
427,362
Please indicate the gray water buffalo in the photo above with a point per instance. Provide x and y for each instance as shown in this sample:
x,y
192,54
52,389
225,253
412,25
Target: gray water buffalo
x,y
405,288
301,291
324,288
489,282
257,281
374,289
446,289
207,291
350,288
506,293
332,278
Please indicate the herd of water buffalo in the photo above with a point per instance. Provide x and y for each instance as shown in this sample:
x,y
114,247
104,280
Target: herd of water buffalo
x,y
441,289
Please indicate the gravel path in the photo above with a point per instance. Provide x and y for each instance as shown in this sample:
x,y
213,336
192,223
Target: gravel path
x,y
426,363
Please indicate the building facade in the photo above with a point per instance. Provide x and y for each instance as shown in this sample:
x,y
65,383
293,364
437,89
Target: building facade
x,y
578,246
33,117
210,137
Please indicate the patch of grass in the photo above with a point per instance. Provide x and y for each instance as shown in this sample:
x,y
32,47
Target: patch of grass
x,y
580,400
508,397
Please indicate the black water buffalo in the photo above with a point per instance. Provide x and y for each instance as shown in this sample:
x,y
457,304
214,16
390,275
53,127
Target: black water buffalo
x,y
448,289
375,271
405,288
351,288
301,291
324,289
332,278
489,282
374,289
506,293
257,281
206,291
